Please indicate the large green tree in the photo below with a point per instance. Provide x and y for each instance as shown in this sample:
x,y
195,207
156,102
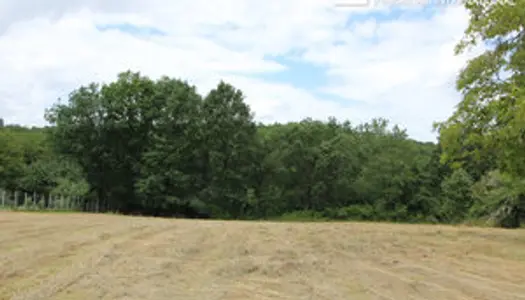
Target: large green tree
x,y
487,130
227,142
105,128
170,171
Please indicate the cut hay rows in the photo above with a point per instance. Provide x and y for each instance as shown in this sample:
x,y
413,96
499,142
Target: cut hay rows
x,y
83,256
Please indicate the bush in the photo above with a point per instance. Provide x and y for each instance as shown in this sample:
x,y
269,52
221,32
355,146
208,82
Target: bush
x,y
303,215
354,212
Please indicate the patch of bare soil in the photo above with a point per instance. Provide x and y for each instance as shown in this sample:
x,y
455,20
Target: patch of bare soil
x,y
83,256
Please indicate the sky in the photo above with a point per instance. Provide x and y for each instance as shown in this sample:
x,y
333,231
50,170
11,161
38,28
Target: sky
x,y
291,58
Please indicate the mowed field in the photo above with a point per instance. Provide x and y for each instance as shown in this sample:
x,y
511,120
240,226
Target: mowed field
x,y
83,256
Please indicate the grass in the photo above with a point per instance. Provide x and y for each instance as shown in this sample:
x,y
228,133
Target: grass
x,y
38,210
99,256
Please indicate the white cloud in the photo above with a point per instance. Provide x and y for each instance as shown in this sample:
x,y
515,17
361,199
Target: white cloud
x,y
400,69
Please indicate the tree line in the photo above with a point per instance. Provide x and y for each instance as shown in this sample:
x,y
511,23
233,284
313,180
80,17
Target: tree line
x,y
175,152
157,147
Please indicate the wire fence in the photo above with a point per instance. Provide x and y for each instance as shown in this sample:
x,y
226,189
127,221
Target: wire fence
x,y
17,200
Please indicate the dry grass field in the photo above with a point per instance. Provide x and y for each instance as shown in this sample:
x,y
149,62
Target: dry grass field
x,y
81,256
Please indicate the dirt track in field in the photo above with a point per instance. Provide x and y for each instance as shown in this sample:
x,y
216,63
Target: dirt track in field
x,y
81,256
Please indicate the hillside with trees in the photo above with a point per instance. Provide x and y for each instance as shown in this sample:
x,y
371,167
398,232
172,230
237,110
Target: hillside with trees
x,y
157,147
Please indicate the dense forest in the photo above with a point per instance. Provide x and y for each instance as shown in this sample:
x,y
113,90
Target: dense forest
x,y
157,147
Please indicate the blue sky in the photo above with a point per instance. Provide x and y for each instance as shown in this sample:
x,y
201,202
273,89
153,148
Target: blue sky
x,y
291,59
301,74
136,30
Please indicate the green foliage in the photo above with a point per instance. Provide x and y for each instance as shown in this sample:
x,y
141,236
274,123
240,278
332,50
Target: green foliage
x,y
486,130
302,216
11,159
456,196
157,147
353,212
487,125
499,199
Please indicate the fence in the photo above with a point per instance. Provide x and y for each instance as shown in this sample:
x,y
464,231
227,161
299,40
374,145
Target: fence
x,y
16,200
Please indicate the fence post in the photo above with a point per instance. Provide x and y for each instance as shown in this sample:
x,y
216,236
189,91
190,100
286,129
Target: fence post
x,y
15,202
3,198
